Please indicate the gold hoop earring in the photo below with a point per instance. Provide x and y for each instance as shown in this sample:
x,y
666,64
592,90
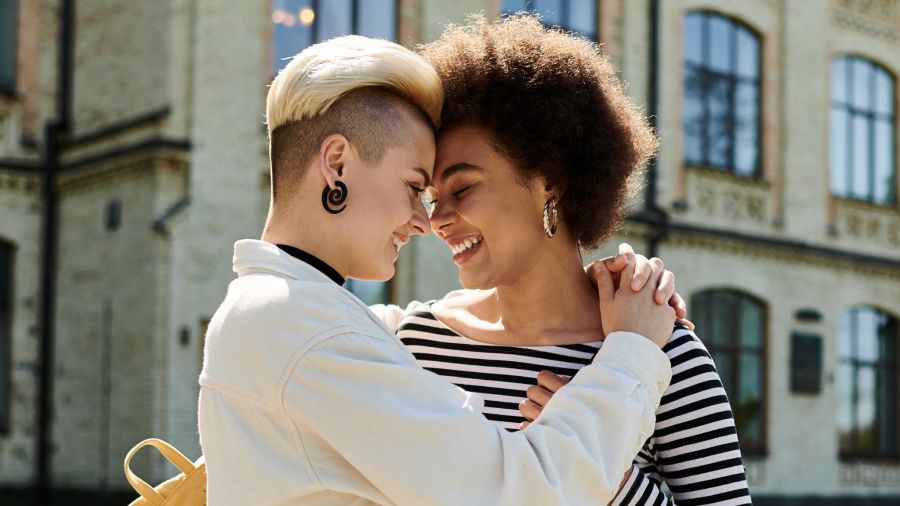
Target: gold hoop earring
x,y
550,215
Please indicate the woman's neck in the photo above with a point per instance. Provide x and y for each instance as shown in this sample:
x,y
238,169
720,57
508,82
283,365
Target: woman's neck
x,y
554,302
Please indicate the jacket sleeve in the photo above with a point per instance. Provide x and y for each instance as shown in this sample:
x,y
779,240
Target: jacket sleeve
x,y
420,440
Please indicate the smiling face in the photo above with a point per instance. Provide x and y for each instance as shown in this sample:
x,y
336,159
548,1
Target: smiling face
x,y
384,206
481,209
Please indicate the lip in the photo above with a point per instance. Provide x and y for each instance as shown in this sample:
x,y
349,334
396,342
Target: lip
x,y
398,238
454,241
463,257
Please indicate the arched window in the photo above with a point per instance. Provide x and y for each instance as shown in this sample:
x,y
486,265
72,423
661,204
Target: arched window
x,y
866,383
6,310
300,23
862,130
732,326
578,16
721,94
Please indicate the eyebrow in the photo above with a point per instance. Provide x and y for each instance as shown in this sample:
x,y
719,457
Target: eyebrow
x,y
424,174
459,167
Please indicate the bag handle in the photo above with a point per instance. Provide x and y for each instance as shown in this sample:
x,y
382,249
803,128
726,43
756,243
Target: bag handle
x,y
170,453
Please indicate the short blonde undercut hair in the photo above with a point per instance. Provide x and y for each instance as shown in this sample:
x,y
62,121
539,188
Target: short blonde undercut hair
x,y
355,86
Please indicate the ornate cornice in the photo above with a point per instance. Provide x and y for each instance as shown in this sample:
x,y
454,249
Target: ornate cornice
x,y
876,18
20,182
113,170
795,252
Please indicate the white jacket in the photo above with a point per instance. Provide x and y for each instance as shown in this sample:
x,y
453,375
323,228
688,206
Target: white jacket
x,y
308,398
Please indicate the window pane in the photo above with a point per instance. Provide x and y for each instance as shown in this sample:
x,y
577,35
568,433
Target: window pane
x,y
867,344
866,409
860,167
720,43
884,161
693,116
719,127
839,79
726,316
292,30
845,329
751,319
843,383
550,11
725,367
887,410
884,93
749,412
8,48
748,54
377,18
861,84
693,38
887,337
746,139
838,148
583,17
335,18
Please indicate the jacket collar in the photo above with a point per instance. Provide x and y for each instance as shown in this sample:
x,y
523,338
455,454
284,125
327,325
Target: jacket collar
x,y
254,255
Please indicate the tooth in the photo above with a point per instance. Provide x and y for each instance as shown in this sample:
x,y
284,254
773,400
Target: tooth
x,y
468,243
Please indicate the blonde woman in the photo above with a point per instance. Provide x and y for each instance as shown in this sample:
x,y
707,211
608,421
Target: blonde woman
x,y
307,398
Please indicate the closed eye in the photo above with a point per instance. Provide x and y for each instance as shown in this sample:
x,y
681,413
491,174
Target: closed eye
x,y
459,193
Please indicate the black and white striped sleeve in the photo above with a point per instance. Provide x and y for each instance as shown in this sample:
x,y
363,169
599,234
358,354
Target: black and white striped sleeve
x,y
641,489
694,448
695,442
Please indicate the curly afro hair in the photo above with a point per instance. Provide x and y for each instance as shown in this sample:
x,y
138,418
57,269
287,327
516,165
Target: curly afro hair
x,y
553,104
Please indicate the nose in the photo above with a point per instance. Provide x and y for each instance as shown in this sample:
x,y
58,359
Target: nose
x,y
419,220
440,217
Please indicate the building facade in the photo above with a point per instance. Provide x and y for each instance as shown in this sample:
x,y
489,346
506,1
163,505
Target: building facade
x,y
133,154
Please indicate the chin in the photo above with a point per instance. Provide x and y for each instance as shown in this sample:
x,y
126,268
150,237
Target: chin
x,y
470,282
384,273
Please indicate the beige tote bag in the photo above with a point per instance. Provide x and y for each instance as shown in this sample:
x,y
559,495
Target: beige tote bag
x,y
186,489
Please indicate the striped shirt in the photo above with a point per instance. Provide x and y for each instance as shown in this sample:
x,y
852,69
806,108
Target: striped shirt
x,y
693,450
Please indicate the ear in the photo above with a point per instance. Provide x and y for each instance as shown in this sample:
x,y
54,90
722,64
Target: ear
x,y
552,190
333,154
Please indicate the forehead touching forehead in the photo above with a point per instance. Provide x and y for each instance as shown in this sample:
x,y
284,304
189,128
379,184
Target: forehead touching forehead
x,y
368,90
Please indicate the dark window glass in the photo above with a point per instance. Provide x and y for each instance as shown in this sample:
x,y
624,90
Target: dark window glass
x,y
300,23
9,24
862,156
732,325
866,384
579,16
6,307
721,94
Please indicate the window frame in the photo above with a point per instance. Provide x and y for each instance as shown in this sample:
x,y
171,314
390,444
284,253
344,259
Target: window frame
x,y
734,350
732,78
871,116
855,363
530,8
